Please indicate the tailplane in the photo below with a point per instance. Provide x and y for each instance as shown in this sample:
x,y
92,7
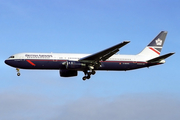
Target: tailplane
x,y
160,59
153,49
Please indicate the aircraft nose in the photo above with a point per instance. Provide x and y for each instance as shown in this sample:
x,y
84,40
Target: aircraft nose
x,y
6,61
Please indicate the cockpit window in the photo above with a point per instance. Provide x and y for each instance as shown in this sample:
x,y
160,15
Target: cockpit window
x,y
11,57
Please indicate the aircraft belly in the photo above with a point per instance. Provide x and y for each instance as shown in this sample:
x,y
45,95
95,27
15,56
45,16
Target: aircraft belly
x,y
113,66
121,66
51,64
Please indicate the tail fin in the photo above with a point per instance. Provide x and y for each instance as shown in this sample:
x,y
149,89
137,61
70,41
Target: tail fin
x,y
153,49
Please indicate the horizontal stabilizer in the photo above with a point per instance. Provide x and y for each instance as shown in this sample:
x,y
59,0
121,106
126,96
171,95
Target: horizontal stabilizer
x,y
158,59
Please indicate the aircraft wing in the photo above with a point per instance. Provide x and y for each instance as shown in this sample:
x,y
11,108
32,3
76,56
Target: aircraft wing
x,y
158,59
104,54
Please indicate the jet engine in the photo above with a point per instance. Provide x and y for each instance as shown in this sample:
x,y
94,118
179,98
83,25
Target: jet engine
x,y
71,65
68,73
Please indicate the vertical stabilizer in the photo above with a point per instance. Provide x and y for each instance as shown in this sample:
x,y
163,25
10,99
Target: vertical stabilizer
x,y
154,48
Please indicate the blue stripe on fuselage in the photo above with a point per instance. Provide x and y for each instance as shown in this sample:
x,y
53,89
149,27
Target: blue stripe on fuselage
x,y
57,64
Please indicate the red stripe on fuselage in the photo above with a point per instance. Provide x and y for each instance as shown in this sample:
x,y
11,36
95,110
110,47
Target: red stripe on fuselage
x,y
154,50
31,62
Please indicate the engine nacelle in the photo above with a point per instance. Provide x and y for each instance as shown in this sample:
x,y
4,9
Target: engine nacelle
x,y
75,65
68,73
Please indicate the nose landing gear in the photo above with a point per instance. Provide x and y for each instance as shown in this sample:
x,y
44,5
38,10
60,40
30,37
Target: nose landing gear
x,y
18,73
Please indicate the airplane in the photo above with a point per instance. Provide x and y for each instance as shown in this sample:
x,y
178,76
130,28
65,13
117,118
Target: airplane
x,y
69,64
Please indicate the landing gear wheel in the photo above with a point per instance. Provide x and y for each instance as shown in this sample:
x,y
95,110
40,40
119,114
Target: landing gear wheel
x,y
93,72
18,74
84,78
88,77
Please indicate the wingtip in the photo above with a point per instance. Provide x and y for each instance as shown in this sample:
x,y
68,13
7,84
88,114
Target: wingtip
x,y
126,41
173,53
165,31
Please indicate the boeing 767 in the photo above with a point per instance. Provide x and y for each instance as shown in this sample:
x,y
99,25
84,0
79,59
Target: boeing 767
x,y
69,64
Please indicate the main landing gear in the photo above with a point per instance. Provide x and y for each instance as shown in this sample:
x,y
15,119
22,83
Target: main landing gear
x,y
88,74
18,73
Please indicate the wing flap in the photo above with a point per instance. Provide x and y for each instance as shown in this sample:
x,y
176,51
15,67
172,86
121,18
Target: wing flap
x,y
104,54
158,59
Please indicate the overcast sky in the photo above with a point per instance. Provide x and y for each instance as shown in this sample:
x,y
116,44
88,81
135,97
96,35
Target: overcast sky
x,y
89,26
